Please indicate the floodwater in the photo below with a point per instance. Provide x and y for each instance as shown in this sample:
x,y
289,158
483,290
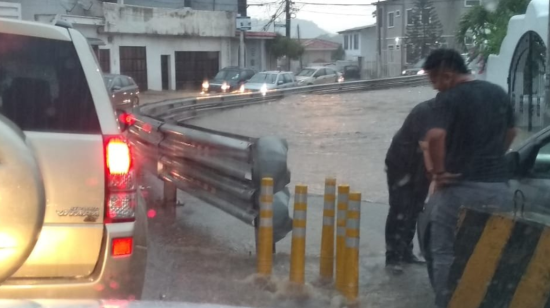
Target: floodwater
x,y
200,254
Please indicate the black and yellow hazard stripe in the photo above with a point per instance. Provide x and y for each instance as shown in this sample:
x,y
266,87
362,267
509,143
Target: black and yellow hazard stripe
x,y
500,261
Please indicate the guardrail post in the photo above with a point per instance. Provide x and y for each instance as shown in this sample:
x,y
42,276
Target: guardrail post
x,y
326,266
170,193
351,277
298,250
265,228
343,191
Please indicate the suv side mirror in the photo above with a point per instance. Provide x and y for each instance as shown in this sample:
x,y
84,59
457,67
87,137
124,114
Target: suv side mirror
x,y
512,162
115,88
280,82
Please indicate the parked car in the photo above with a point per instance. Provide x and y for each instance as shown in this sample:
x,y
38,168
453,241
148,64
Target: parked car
x,y
270,80
529,182
88,240
123,89
351,72
415,69
317,75
229,79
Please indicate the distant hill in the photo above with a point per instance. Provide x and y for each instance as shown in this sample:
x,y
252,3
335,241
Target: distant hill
x,y
308,29
331,38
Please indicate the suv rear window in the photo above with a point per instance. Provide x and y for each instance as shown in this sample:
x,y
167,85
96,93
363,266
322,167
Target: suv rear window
x,y
43,87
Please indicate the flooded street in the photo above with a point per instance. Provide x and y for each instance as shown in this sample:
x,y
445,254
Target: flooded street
x,y
199,254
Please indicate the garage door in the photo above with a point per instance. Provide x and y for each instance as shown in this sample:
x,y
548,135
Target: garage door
x,y
133,62
193,67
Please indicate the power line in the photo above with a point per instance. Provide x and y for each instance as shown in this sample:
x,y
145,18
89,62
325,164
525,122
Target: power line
x,y
336,4
334,13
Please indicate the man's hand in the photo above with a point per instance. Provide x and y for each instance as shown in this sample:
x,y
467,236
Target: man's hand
x,y
442,179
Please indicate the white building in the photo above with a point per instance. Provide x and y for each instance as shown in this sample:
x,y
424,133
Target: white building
x,y
163,45
360,45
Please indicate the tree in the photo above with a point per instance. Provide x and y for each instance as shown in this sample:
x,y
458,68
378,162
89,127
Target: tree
x,y
338,54
482,29
282,46
424,32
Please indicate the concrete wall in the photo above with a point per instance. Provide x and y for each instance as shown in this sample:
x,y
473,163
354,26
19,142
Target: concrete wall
x,y
157,46
215,5
369,43
156,21
29,8
449,13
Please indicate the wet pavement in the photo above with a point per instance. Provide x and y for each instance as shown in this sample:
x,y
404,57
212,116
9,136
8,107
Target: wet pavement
x,y
199,254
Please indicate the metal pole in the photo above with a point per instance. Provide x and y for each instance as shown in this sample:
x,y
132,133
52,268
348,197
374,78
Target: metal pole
x,y
287,10
547,83
351,277
326,266
343,192
241,60
265,230
298,250
300,42
379,25
530,85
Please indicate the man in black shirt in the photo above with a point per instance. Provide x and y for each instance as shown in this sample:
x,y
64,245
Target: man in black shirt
x,y
407,186
466,146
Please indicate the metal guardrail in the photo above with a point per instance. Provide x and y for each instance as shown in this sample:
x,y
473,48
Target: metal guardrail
x,y
223,169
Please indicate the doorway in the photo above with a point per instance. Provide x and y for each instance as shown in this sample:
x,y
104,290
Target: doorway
x,y
165,71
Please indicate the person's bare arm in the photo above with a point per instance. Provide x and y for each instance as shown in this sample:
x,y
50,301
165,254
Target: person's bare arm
x,y
435,141
510,136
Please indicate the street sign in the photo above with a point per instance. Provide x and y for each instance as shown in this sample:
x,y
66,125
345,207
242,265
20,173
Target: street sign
x,y
244,23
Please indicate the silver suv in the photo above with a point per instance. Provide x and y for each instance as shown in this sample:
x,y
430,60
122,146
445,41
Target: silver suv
x,y
90,238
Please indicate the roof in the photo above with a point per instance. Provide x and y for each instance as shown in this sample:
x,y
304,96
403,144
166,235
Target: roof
x,y
262,35
319,44
275,72
358,28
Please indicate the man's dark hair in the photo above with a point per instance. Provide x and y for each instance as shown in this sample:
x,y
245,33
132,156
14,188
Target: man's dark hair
x,y
446,59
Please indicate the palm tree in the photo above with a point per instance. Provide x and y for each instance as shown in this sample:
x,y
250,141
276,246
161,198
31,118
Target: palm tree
x,y
481,30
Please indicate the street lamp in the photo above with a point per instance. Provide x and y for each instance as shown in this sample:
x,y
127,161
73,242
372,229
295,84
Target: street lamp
x,y
396,41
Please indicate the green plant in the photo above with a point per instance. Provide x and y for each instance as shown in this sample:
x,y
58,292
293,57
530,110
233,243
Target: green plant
x,y
425,31
481,31
338,54
282,46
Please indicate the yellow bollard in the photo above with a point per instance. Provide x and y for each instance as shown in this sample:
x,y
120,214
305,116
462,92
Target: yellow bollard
x,y
343,191
298,252
326,266
265,228
351,276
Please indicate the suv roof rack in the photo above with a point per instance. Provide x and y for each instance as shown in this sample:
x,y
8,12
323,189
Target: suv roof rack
x,y
64,24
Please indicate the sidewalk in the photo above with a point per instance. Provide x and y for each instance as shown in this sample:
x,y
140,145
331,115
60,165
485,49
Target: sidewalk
x,y
158,96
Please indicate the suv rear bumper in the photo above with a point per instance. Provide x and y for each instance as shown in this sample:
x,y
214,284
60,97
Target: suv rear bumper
x,y
113,277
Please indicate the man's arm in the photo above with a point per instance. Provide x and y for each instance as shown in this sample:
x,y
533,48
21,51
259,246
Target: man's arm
x,y
435,143
511,134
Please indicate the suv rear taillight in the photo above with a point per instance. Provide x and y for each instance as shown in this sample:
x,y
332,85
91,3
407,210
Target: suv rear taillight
x,y
120,181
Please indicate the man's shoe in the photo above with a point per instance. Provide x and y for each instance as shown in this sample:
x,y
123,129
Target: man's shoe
x,y
412,259
394,268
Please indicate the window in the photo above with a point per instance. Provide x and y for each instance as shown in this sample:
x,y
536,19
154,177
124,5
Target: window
x,y
470,3
397,13
346,46
391,19
356,41
118,83
289,78
541,166
320,73
43,87
409,16
390,47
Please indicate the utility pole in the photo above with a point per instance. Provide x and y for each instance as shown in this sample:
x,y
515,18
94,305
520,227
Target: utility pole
x,y
299,42
287,10
547,81
379,26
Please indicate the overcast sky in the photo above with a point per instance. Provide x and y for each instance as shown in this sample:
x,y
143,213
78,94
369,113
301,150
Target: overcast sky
x,y
332,18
